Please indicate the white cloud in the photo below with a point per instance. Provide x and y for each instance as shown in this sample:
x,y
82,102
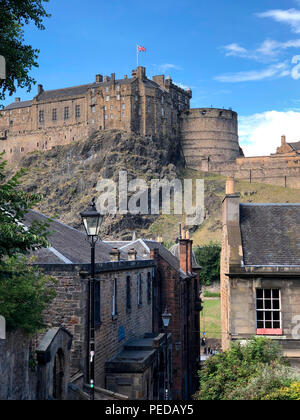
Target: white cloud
x,y
163,68
260,134
290,17
267,51
274,71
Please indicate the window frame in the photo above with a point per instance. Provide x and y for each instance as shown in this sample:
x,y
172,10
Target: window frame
x,y
140,290
114,299
265,329
128,294
66,113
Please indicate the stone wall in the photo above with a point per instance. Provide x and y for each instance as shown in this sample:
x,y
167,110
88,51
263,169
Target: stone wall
x,y
17,380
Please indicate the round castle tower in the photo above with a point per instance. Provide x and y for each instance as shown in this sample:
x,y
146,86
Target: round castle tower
x,y
209,135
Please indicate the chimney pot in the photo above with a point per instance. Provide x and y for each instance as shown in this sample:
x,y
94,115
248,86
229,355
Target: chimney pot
x,y
115,254
17,99
125,77
40,89
99,78
230,186
132,254
283,140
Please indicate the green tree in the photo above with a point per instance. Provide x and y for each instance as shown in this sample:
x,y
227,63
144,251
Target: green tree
x,y
24,289
226,373
25,293
15,238
208,257
19,56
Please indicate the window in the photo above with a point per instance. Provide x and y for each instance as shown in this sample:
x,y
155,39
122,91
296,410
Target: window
x,y
268,312
111,107
41,116
136,98
105,116
105,108
77,111
128,293
107,98
111,116
107,89
114,298
93,109
163,112
123,114
54,114
118,97
123,106
97,303
118,87
66,113
93,100
149,288
162,100
139,290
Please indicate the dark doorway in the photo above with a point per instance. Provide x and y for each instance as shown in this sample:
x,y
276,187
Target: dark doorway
x,y
58,375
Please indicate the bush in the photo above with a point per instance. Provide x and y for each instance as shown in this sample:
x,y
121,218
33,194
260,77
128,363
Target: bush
x,y
291,392
24,294
225,373
272,377
208,257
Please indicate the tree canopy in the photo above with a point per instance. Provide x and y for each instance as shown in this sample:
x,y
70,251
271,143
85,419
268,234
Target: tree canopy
x,y
20,57
208,257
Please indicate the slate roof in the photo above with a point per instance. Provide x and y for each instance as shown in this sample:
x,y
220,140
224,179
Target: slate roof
x,y
17,105
68,245
295,146
143,247
270,234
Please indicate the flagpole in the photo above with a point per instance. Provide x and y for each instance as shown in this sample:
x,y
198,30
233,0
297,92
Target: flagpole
x,y
137,56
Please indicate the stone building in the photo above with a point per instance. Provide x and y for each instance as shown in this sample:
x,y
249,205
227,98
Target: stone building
x,y
123,308
56,117
260,273
176,287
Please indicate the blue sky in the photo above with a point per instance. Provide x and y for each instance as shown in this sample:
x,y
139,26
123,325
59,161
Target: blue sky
x,y
232,53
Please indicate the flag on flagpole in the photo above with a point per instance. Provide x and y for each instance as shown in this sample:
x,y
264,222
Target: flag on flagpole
x,y
139,49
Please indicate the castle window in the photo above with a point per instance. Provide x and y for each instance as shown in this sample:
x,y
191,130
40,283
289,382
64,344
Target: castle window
x,y
123,106
136,97
38,145
128,293
93,108
118,97
107,89
22,149
268,312
111,107
41,116
54,114
114,298
149,108
107,98
77,111
105,108
163,112
111,116
93,100
139,290
123,98
123,115
118,87
162,100
105,116
66,113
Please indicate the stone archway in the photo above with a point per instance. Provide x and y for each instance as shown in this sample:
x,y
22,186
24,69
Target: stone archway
x,y
59,375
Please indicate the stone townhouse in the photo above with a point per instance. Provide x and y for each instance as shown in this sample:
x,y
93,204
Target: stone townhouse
x,y
123,306
57,117
260,272
175,286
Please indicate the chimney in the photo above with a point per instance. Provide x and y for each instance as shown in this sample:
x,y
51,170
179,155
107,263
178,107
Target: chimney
x,y
154,254
18,100
183,255
133,73
106,79
160,80
283,140
125,77
40,89
141,72
190,254
113,77
132,254
230,186
114,254
99,78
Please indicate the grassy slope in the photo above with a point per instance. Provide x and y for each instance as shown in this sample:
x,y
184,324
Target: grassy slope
x,y
210,319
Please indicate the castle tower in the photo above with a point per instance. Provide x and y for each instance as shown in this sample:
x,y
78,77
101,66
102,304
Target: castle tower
x,y
209,135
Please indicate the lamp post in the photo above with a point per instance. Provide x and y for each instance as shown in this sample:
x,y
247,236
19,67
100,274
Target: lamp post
x,y
92,221
166,318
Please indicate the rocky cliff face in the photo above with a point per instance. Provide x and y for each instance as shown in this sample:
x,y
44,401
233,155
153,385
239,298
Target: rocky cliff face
x,y
67,176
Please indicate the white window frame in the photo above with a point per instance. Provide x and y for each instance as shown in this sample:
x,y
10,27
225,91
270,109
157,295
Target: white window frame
x,y
272,310
114,310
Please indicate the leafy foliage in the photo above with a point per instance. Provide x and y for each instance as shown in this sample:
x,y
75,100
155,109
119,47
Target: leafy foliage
x,y
24,294
24,289
14,204
291,392
208,257
225,373
20,58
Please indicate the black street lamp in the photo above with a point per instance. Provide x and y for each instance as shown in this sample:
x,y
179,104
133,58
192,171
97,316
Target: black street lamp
x,y
166,318
92,221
